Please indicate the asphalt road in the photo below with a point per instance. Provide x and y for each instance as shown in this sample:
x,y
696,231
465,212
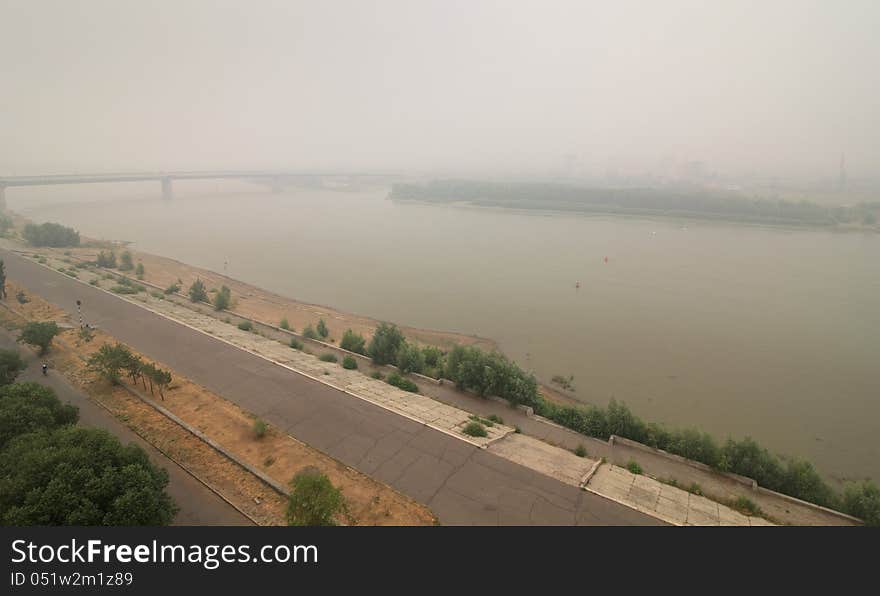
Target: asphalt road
x,y
199,506
459,482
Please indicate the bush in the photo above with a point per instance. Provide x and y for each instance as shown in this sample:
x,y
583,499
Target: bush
x,y
172,289
581,451
432,356
21,297
634,467
327,357
39,335
492,374
260,428
353,342
246,326
350,363
296,344
314,501
125,263
496,419
384,344
223,299
322,329
746,506
71,273
93,282
475,429
157,295
284,324
10,365
124,289
139,271
409,358
309,333
401,382
197,291
50,234
862,500
106,260
377,375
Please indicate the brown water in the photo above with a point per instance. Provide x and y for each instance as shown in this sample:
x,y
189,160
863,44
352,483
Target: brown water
x,y
737,330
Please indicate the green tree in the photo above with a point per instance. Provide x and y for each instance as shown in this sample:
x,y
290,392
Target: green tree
x,y
39,334
139,271
223,299
50,234
125,263
314,501
322,329
80,477
409,358
109,361
353,342
862,499
162,379
197,291
106,260
30,407
384,344
309,332
5,224
2,280
10,365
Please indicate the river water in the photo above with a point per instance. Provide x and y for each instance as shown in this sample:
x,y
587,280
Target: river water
x,y
737,330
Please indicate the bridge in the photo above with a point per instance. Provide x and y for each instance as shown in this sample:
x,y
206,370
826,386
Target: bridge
x,y
274,179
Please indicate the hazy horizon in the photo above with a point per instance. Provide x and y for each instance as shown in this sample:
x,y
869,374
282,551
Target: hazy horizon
x,y
779,88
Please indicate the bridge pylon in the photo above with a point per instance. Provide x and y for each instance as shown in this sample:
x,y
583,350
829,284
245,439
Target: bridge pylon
x,y
167,189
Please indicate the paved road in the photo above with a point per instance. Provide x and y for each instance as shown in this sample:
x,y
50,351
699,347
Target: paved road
x,y
199,506
460,483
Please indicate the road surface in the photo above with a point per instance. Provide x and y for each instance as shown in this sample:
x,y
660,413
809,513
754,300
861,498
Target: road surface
x,y
462,484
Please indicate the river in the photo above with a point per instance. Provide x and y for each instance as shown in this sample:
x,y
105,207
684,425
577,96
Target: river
x,y
737,330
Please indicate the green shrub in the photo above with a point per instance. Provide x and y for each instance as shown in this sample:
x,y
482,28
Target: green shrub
x,y
157,295
125,263
353,342
377,375
401,382
475,429
314,501
384,344
197,291
746,506
260,428
862,500
10,365
139,271
309,333
634,467
284,324
39,334
327,357
94,282
123,289
350,363
492,374
106,260
496,418
222,299
246,326
71,273
433,356
172,289
581,451
409,358
695,489
295,344
322,329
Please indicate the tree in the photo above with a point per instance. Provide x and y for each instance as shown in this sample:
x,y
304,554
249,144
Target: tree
x,y
862,499
223,299
39,334
106,260
109,361
197,291
6,224
10,365
82,477
50,234
2,280
139,271
161,378
125,263
134,368
30,407
385,343
322,329
309,332
314,501
409,358
353,342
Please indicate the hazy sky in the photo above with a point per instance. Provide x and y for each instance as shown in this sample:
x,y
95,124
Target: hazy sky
x,y
781,87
